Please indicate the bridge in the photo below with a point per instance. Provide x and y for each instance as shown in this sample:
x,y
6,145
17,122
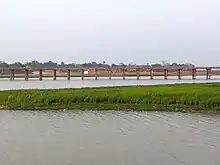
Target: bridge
x,y
110,70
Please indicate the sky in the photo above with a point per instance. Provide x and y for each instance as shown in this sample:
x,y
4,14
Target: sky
x,y
128,31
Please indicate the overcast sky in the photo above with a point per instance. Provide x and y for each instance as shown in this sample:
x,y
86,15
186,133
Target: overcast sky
x,y
137,31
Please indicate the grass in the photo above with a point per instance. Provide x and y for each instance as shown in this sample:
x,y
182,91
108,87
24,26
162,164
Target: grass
x,y
175,97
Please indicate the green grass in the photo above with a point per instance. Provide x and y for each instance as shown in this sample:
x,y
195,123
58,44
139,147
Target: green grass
x,y
176,97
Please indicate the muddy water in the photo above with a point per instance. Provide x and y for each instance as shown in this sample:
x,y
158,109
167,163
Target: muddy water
x,y
48,83
108,138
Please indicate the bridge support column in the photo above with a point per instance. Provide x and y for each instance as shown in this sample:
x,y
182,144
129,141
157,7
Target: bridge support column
x,y
110,74
179,74
54,74
165,74
26,76
123,74
68,74
40,75
193,74
12,74
96,73
208,73
151,74
82,74
138,74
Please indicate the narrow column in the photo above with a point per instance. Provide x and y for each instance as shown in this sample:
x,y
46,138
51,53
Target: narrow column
x,y
96,73
208,74
193,74
110,74
123,74
179,74
12,74
68,74
138,74
54,74
151,74
82,74
40,75
26,76
165,74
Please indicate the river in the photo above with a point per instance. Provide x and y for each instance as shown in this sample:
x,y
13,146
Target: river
x,y
108,138
48,83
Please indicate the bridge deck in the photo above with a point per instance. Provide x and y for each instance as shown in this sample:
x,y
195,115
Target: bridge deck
x,y
114,68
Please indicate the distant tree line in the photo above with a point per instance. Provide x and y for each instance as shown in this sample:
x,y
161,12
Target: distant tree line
x,y
51,64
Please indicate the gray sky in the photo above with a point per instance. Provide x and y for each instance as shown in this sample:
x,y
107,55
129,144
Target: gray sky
x,y
138,31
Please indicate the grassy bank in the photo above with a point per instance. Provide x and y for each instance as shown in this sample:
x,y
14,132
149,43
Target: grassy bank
x,y
178,97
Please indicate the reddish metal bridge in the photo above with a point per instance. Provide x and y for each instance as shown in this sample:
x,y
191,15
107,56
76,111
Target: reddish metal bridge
x,y
110,70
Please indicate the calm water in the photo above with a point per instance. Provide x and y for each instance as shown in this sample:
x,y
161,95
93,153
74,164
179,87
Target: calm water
x,y
108,138
5,84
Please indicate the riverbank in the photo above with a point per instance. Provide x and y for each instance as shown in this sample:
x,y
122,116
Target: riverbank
x,y
175,97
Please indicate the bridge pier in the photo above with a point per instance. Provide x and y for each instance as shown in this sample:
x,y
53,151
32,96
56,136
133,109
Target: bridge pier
x,y
54,74
123,74
26,76
151,74
96,74
68,74
12,74
138,74
165,74
40,75
208,73
109,74
82,74
193,74
179,74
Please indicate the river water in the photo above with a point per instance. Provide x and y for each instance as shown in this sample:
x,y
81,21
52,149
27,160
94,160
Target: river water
x,y
108,138
48,83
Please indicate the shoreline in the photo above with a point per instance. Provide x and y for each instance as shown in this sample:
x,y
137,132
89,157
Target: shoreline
x,y
112,107
199,97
